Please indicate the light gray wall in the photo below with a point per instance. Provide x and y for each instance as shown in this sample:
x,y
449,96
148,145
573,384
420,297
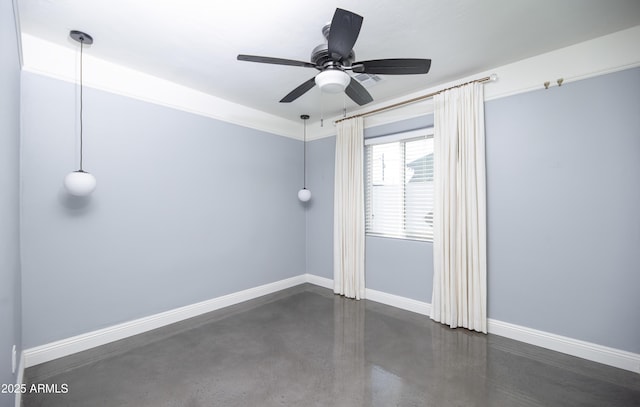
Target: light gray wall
x,y
399,267
563,170
563,187
10,319
186,209
319,214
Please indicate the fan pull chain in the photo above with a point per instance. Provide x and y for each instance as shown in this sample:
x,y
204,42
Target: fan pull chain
x,y
321,110
344,105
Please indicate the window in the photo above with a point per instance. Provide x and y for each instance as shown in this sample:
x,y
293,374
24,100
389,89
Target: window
x,y
399,185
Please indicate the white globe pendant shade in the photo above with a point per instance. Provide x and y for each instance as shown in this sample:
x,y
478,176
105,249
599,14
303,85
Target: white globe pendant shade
x,y
304,195
333,80
79,183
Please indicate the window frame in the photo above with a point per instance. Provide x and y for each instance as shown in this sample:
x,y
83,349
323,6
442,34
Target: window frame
x,y
403,137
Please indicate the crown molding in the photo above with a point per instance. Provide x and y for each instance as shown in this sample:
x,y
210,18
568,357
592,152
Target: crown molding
x,y
602,55
48,59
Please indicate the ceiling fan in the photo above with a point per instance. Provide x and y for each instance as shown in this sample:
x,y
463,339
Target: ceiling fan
x,y
335,57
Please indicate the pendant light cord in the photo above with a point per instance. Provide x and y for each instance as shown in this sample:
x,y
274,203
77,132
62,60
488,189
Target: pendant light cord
x,y
81,146
304,155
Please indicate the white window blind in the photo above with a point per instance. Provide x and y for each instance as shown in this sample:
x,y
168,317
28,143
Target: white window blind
x,y
399,185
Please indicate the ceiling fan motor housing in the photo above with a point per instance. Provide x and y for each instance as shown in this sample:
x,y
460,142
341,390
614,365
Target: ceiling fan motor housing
x,y
321,58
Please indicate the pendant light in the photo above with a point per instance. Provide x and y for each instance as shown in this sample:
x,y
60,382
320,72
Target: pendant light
x,y
80,182
304,194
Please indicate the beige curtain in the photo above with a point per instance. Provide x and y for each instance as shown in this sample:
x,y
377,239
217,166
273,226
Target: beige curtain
x,y
348,213
459,247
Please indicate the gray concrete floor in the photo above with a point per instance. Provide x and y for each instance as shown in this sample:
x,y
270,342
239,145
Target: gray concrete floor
x,y
306,347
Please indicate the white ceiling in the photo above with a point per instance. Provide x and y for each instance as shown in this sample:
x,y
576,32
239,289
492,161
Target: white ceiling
x,y
195,42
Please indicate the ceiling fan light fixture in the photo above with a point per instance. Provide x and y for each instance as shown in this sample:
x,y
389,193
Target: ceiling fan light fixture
x,y
333,80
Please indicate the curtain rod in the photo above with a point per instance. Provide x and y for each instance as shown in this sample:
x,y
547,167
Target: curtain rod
x,y
489,78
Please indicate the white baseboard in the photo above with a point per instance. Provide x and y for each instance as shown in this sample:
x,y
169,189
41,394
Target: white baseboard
x,y
319,281
54,350
586,350
377,296
20,380
404,303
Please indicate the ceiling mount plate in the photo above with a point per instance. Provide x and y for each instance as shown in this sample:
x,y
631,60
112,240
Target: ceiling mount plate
x,y
81,37
304,116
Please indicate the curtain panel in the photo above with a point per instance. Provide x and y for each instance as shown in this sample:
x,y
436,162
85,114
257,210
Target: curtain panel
x,y
459,248
348,223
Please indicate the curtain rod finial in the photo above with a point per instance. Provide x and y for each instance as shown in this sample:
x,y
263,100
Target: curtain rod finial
x,y
493,77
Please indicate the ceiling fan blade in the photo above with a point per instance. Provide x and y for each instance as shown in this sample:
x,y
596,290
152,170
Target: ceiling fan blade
x,y
399,66
344,31
276,61
299,91
358,93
